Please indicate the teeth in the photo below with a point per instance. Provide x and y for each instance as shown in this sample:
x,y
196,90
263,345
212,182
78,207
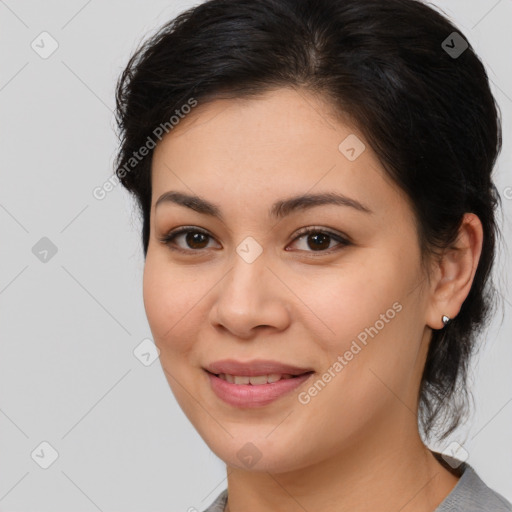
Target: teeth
x,y
257,380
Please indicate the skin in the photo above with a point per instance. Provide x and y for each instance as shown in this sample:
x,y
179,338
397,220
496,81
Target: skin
x,y
355,445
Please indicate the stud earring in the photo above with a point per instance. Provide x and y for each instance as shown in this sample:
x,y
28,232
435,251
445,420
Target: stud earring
x,y
446,320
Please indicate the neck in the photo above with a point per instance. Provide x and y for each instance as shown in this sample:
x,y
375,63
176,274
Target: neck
x,y
385,469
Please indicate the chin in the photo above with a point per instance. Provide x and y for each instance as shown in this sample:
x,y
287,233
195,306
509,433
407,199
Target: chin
x,y
258,454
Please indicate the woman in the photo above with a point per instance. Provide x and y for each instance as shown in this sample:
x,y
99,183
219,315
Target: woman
x,y
314,179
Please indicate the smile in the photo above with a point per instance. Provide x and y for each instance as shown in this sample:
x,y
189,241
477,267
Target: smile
x,y
245,391
257,380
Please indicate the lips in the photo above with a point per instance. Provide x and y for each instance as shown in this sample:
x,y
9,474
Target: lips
x,y
254,368
250,396
228,380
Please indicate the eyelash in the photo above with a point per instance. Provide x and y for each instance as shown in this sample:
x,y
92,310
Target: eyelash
x,y
168,239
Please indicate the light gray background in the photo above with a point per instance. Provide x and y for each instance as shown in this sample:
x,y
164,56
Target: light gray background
x,y
69,326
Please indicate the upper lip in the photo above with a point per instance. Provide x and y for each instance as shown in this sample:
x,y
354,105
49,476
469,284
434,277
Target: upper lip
x,y
254,368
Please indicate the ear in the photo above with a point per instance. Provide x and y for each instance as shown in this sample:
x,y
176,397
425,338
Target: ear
x,y
454,272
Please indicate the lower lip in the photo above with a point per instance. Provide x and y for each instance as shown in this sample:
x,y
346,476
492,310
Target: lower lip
x,y
247,395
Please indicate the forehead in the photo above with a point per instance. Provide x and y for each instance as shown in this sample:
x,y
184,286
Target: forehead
x,y
282,143
273,119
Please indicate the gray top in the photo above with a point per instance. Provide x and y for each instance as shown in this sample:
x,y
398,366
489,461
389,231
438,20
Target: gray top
x,y
469,495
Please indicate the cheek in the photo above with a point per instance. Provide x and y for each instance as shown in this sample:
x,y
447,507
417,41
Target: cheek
x,y
156,297
367,313
349,298
373,311
171,297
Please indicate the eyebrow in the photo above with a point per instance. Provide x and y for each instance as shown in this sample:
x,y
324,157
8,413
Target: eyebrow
x,y
279,209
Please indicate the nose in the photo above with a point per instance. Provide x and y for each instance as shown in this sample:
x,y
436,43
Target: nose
x,y
250,299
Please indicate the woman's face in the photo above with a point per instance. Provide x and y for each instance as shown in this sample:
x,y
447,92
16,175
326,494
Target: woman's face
x,y
252,286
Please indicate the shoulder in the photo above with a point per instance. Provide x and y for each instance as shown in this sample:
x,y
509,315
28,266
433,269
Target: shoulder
x,y
219,503
471,494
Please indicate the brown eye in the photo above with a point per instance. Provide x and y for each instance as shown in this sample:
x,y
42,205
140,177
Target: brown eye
x,y
318,240
193,240
196,240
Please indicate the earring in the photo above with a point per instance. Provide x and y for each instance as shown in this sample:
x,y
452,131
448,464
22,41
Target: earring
x,y
446,320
